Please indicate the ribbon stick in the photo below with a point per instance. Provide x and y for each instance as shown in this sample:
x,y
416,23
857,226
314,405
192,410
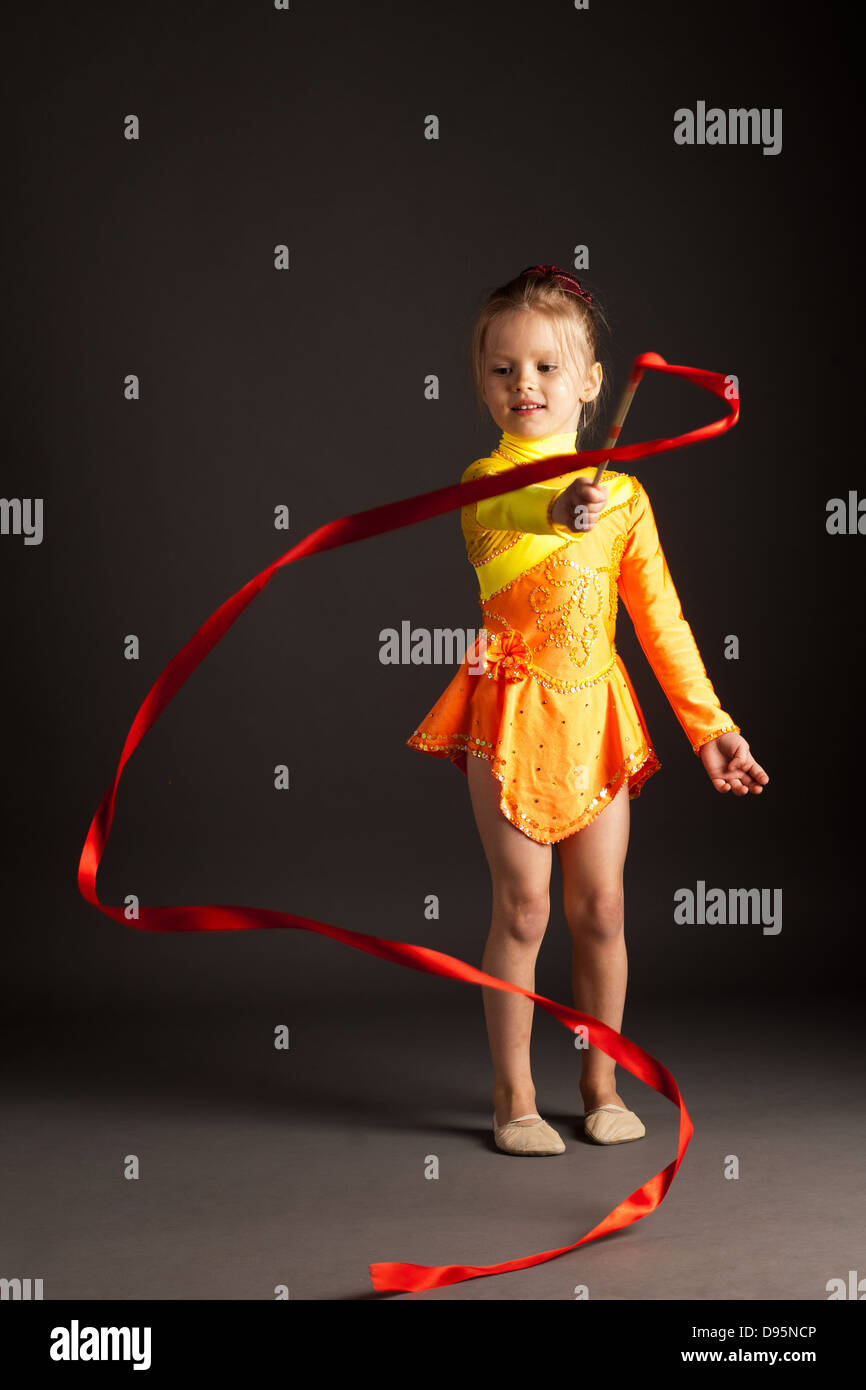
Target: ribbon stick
x,y
392,1276
622,410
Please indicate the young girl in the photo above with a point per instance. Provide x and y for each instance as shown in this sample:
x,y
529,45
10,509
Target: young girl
x,y
541,716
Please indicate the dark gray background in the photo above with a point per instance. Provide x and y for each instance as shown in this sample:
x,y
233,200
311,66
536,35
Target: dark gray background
x,y
306,388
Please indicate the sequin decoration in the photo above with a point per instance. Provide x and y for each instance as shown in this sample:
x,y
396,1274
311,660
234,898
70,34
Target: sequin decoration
x,y
557,613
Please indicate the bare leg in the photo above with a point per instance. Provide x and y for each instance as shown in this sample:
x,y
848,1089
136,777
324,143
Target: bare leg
x,y
520,874
592,862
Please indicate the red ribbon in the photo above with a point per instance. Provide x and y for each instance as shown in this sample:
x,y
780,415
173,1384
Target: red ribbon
x,y
388,1276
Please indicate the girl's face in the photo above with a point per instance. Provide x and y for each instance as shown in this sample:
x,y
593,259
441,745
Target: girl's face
x,y
525,365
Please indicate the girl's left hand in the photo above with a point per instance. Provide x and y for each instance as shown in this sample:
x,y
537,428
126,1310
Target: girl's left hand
x,y
731,767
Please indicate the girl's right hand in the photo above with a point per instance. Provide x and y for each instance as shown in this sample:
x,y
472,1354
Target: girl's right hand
x,y
588,500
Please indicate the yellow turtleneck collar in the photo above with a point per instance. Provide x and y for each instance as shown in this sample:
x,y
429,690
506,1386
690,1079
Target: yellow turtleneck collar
x,y
529,450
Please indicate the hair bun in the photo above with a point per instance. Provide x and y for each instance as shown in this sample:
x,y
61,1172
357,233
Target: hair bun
x,y
562,278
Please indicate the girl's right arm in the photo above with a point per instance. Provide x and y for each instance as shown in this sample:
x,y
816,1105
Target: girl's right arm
x,y
545,509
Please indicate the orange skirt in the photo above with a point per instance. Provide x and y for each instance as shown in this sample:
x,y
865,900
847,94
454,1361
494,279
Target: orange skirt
x,y
561,743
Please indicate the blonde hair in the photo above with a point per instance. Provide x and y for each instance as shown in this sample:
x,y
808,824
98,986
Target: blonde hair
x,y
575,322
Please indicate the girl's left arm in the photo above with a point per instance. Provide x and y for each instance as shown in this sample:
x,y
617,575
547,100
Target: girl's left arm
x,y
647,589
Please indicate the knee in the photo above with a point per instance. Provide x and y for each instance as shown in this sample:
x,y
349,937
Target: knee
x,y
522,913
599,915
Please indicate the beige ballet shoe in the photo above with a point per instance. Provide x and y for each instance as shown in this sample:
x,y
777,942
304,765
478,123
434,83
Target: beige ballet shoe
x,y
605,1128
537,1139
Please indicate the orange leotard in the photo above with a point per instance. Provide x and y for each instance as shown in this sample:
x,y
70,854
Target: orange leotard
x,y
543,695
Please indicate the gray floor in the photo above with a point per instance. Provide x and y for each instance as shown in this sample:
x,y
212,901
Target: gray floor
x,y
260,1168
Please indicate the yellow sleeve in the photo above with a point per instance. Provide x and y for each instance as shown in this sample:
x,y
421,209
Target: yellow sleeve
x,y
647,589
526,509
